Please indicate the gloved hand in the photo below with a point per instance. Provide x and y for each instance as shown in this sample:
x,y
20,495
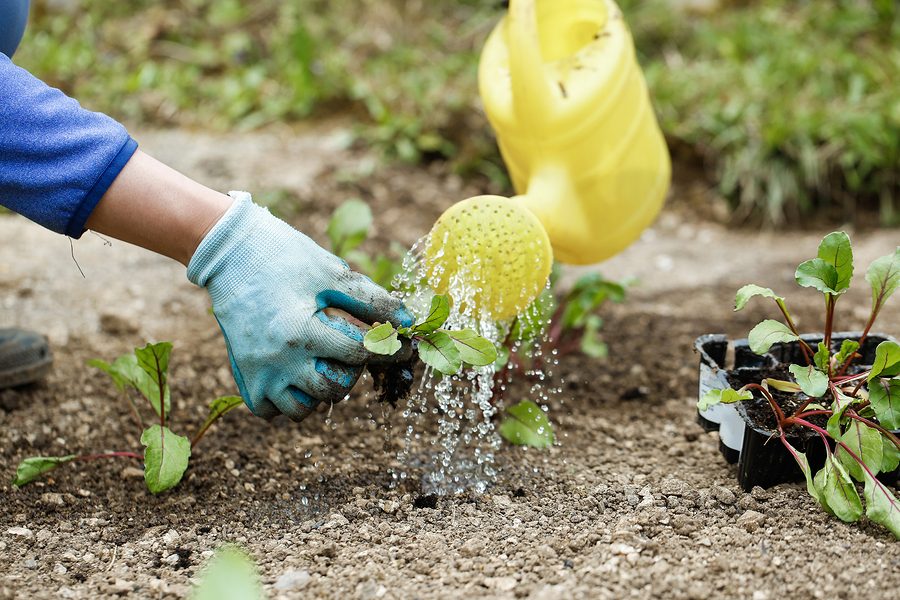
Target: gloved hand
x,y
270,287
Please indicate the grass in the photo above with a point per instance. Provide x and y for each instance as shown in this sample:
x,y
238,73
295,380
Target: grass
x,y
791,104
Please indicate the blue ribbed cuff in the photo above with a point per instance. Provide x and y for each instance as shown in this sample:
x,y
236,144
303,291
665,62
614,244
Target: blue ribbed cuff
x,y
76,225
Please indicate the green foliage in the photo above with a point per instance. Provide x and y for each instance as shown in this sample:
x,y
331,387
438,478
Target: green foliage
x,y
858,420
382,339
769,332
726,396
813,382
165,458
751,290
526,424
32,468
444,350
348,228
408,69
166,454
792,103
230,575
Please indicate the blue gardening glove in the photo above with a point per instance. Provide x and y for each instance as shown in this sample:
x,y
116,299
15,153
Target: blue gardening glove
x,y
273,292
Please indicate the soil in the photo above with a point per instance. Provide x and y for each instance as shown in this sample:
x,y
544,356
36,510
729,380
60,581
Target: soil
x,y
634,502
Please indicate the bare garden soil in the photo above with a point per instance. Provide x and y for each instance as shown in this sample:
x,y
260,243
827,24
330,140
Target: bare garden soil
x,y
635,501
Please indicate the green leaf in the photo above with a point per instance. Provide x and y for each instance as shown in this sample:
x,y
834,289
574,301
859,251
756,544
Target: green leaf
x,y
767,333
220,406
726,396
473,349
526,424
153,359
883,276
835,249
822,357
440,352
382,339
783,386
848,347
818,274
882,506
865,443
115,372
812,381
751,290
884,394
437,315
890,455
502,358
125,371
591,343
803,462
840,405
230,575
165,458
349,226
838,490
887,360
33,467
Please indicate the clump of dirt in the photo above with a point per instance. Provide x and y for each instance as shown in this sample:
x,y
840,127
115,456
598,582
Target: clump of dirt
x,y
393,382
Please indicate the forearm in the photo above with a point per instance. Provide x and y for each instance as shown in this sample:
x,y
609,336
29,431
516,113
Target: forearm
x,y
155,207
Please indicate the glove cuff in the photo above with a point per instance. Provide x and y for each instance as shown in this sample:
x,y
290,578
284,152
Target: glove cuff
x,y
238,245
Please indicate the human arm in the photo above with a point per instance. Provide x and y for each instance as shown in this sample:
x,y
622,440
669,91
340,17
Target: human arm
x,y
277,295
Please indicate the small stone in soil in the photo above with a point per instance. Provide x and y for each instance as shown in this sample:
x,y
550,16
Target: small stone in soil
x,y
292,580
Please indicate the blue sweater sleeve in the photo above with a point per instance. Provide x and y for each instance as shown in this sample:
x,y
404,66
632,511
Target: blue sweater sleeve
x,y
56,158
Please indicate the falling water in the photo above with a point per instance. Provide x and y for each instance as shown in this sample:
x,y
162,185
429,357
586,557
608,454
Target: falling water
x,y
462,454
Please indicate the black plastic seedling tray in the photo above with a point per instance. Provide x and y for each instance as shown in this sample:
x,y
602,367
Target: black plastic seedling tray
x,y
761,459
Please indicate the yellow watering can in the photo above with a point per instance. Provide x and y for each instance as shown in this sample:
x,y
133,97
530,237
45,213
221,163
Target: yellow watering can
x,y
567,100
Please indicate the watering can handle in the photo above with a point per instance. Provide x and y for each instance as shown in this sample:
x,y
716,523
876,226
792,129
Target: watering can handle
x,y
531,96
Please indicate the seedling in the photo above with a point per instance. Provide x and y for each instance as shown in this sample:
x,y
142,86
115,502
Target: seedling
x,y
349,227
526,424
851,409
166,454
444,350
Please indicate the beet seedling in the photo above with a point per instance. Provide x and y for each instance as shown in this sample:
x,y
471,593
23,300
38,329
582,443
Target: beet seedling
x,y
851,409
444,350
166,454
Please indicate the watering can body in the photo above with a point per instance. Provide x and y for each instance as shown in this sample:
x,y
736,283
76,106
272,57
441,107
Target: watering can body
x,y
564,93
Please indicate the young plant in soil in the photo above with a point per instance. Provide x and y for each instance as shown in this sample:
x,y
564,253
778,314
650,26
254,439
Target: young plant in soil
x,y
557,323
851,409
444,350
166,454
350,225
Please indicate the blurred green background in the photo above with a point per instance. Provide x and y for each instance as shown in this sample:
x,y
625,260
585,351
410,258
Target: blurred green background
x,y
789,108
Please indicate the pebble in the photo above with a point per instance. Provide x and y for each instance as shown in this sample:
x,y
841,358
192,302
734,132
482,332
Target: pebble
x,y
759,494
369,590
390,506
21,531
170,537
30,563
172,559
60,569
129,472
292,580
672,486
751,520
52,499
43,535
472,547
335,521
501,584
724,495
